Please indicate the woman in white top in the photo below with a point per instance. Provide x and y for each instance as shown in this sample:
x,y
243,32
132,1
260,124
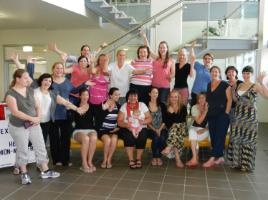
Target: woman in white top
x,y
199,130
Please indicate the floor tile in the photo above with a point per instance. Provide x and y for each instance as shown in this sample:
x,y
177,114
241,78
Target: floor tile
x,y
145,195
150,186
122,193
171,188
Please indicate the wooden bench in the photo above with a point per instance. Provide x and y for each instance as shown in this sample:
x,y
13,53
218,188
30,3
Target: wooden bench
x,y
120,144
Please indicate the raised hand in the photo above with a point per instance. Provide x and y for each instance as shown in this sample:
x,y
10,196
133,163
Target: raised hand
x,y
52,47
14,56
261,77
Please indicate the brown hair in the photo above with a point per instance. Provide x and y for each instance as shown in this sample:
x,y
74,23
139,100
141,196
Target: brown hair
x,y
17,74
167,54
143,47
216,67
98,60
209,54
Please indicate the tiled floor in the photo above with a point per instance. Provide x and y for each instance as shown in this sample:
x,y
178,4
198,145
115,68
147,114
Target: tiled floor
x,y
147,183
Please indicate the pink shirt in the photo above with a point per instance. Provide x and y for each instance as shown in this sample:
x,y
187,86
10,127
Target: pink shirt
x,y
160,74
142,79
99,91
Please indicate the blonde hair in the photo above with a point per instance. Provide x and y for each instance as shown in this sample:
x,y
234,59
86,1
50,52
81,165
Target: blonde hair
x,y
179,102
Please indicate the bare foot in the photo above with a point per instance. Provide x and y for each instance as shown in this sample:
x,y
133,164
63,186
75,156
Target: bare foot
x,y
192,163
154,162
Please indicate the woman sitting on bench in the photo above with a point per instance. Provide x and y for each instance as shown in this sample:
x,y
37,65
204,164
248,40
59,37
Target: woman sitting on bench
x,y
84,133
199,130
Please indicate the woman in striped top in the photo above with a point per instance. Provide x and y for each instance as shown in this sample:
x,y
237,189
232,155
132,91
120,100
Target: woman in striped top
x,y
142,82
108,131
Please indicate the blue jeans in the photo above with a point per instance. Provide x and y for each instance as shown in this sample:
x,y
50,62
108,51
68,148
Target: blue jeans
x,y
158,143
218,126
163,94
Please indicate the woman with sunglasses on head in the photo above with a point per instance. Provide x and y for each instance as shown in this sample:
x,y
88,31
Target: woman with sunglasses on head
x,y
244,129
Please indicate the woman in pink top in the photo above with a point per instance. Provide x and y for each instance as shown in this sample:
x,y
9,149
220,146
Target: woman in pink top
x,y
142,82
79,74
99,91
163,69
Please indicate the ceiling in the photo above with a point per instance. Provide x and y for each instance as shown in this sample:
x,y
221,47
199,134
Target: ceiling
x,y
37,14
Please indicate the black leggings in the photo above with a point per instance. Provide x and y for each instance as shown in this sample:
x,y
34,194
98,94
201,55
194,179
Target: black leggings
x,y
131,141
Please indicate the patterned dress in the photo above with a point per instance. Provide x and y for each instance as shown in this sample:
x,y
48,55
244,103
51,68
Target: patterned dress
x,y
243,137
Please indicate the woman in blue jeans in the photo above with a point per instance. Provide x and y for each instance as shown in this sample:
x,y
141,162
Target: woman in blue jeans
x,y
219,100
157,128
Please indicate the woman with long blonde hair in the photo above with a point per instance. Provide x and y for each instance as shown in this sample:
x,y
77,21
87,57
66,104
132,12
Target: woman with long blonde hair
x,y
176,124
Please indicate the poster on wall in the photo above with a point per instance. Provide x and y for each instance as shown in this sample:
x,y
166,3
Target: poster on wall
x,y
8,147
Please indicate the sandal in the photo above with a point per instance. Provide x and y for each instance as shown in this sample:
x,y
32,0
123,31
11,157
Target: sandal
x,y
132,164
138,164
86,169
109,166
103,165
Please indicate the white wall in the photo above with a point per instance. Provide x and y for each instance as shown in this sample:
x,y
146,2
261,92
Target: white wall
x,y
169,29
67,40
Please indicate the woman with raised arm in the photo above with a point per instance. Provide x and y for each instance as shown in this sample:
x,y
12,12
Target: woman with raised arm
x,y
219,98
157,128
142,82
244,129
99,91
84,132
133,118
108,131
84,51
24,125
79,74
163,69
175,122
199,129
183,69
202,74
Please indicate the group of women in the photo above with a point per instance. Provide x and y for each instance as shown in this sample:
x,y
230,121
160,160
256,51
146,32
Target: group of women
x,y
138,105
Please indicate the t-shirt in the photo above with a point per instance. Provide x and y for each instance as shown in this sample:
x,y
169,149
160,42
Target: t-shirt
x,y
45,102
217,99
195,113
142,108
142,79
202,78
24,104
161,74
181,75
120,77
63,89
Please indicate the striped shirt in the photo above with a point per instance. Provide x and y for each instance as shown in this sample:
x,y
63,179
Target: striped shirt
x,y
142,79
110,121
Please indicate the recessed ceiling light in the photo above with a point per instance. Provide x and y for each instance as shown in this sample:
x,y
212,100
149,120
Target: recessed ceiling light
x,y
27,48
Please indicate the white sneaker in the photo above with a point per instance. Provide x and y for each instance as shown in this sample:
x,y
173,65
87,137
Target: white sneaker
x,y
50,174
25,179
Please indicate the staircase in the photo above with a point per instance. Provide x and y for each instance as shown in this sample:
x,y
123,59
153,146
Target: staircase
x,y
111,14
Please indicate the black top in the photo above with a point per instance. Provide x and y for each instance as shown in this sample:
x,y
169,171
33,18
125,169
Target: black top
x,y
181,75
217,99
234,89
172,118
84,121
203,123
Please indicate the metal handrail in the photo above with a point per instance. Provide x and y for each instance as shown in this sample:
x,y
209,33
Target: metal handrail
x,y
145,22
